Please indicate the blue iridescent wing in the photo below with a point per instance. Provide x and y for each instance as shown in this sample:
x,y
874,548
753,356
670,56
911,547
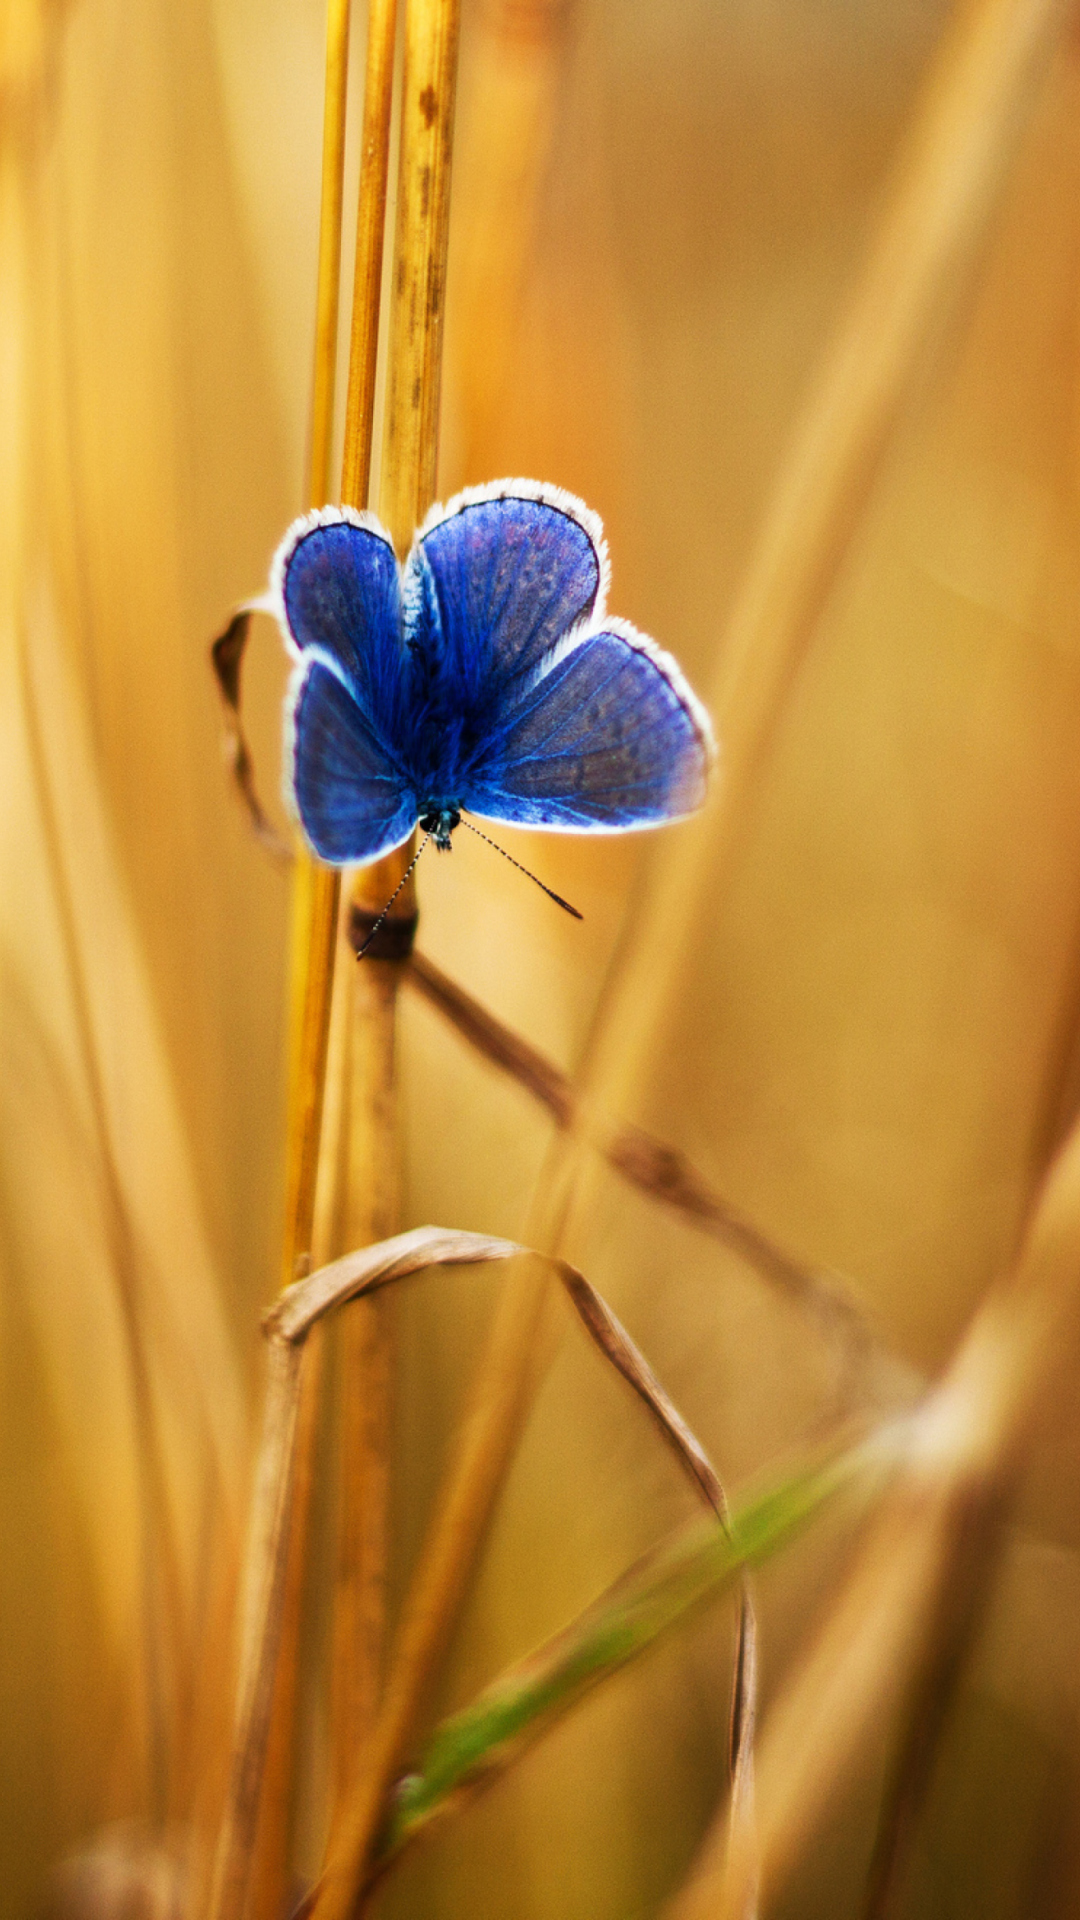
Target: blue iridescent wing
x,y
609,738
351,800
335,585
495,581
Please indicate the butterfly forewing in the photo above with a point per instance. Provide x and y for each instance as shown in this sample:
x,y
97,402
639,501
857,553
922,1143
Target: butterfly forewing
x,y
508,577
338,581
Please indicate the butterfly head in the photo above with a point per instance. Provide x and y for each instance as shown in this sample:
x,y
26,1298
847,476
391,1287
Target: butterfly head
x,y
440,823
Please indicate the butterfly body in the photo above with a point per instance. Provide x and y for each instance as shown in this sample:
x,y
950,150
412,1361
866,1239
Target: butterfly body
x,y
483,675
440,823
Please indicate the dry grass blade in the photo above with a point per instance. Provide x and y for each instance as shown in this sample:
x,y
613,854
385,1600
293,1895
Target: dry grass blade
x,y
267,1577
439,1584
265,1598
226,656
615,1343
608,1333
293,1315
429,87
649,1164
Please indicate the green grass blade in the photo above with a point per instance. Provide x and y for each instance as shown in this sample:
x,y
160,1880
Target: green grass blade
x,y
656,1594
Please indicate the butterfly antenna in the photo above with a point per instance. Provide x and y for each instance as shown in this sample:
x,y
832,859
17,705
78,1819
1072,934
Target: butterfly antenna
x,y
557,897
360,951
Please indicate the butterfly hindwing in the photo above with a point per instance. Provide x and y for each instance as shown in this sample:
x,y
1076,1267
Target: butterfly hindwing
x,y
610,738
352,801
495,581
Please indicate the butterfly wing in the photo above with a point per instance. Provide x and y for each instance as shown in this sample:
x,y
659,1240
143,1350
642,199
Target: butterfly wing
x,y
610,738
495,581
349,797
335,584
336,587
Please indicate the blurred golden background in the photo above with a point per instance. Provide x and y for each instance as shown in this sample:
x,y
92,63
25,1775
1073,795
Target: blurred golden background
x,y
657,212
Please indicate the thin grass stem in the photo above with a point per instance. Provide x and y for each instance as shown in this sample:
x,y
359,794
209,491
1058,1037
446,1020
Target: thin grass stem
x,y
409,466
251,1865
162,1615
369,1210
361,1160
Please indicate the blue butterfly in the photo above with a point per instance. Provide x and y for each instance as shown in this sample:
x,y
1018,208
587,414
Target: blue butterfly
x,y
483,676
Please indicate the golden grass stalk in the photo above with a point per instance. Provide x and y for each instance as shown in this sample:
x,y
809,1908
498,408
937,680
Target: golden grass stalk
x,y
931,1545
984,81
315,888
163,1624
252,1851
408,487
367,1156
361,1162
264,1732
367,272
517,61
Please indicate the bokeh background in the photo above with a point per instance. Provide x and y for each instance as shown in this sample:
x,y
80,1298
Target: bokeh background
x,y
657,212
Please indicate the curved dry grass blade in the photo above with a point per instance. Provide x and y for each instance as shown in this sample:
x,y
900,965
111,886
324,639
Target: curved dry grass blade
x,y
297,1309
615,1343
283,1456
608,1333
469,1750
742,1813
434,1598
226,658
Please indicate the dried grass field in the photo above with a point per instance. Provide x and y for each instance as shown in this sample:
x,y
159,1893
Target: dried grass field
x,y
717,1557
